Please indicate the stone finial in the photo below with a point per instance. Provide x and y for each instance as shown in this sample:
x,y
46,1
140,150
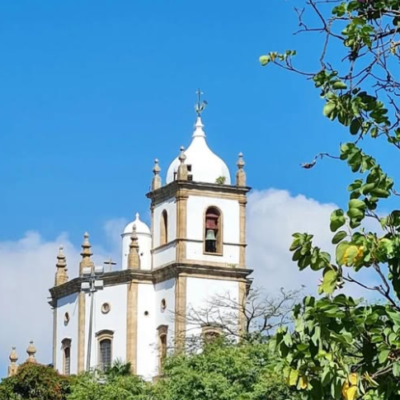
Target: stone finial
x,y
156,183
240,174
31,350
182,169
13,367
133,256
61,274
86,253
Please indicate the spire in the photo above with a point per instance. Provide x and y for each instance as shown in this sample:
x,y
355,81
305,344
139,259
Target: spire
x,y
133,256
240,174
61,274
182,169
198,128
31,350
199,107
156,183
86,253
13,367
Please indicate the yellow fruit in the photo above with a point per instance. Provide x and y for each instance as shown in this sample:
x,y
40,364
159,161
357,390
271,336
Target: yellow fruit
x,y
352,393
353,378
345,389
303,382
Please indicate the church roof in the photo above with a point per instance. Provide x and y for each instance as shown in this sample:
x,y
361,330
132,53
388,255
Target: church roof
x,y
205,166
141,227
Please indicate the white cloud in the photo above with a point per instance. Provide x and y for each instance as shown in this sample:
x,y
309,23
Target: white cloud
x,y
27,270
273,216
28,265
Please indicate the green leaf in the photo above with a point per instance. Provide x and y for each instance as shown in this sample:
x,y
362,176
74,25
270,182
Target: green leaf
x,y
329,108
337,220
356,203
264,60
396,369
339,236
293,376
340,252
339,85
329,281
355,126
383,355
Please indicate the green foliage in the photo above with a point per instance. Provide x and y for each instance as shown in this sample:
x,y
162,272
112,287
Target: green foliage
x,y
90,387
337,339
223,372
119,368
34,382
220,180
341,348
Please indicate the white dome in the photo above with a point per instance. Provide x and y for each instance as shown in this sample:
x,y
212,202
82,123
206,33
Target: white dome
x,y
206,166
141,227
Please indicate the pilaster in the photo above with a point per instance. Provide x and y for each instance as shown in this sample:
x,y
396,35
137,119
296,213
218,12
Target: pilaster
x,y
132,325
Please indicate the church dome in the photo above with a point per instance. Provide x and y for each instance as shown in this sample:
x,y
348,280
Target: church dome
x,y
141,227
203,164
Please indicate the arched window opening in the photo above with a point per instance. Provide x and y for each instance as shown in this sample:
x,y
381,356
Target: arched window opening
x,y
66,347
211,332
164,228
213,231
67,361
105,340
163,345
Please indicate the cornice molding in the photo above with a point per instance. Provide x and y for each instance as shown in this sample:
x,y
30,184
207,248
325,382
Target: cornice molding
x,y
157,275
186,188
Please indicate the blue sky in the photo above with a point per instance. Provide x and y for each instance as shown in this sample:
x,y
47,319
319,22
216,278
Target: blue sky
x,y
93,91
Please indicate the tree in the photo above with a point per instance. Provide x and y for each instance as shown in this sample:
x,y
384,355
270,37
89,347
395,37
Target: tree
x,y
223,372
261,313
90,387
34,382
341,347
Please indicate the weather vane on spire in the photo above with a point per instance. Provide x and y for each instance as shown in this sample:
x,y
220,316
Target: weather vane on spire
x,y
201,105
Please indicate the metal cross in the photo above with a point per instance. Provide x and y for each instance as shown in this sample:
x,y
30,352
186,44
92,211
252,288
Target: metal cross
x,y
199,93
110,263
199,107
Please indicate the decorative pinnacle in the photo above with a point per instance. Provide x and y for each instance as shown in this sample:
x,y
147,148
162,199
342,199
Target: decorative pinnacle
x,y
86,246
182,155
61,259
240,162
156,168
31,350
13,355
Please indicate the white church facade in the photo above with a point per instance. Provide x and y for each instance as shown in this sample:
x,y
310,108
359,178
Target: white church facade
x,y
194,249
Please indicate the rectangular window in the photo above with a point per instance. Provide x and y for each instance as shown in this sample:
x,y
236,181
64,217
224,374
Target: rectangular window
x,y
105,354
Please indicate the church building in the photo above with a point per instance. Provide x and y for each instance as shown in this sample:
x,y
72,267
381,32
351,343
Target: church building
x,y
195,249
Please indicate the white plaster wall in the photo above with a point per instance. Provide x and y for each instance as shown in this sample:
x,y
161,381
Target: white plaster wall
x,y
165,290
199,294
230,253
170,207
165,255
146,342
196,208
144,241
70,331
115,321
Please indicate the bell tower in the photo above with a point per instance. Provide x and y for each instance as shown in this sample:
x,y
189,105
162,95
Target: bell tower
x,y
199,227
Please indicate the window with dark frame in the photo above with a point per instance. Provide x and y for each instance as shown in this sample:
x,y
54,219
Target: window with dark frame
x,y
105,354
